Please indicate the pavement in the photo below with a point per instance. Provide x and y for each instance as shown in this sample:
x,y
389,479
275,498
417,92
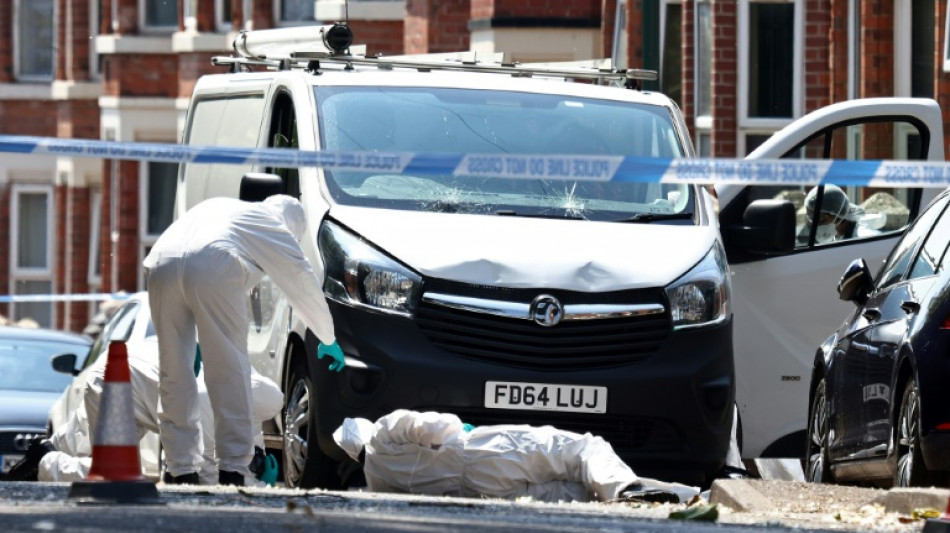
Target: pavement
x,y
753,495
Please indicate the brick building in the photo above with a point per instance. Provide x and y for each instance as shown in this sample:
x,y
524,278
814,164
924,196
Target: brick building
x,y
123,70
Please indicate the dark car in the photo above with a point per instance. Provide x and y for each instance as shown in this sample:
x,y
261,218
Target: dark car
x,y
880,405
28,384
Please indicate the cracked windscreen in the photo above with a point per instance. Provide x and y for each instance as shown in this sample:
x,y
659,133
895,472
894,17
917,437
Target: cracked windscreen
x,y
468,121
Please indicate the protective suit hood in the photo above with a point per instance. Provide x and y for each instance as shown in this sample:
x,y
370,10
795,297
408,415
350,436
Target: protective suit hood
x,y
290,211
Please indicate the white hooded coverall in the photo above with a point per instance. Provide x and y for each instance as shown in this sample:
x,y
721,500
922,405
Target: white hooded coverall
x,y
199,273
431,453
73,441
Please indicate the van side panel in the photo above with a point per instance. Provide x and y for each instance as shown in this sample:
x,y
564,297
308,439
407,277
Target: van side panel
x,y
234,121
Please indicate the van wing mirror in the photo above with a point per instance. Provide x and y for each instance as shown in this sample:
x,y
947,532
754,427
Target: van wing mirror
x,y
767,228
257,186
65,363
856,282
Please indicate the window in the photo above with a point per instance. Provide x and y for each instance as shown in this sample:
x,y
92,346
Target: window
x,y
930,259
222,15
33,60
95,208
671,57
770,77
703,59
32,257
946,44
157,200
283,134
159,14
293,12
914,45
899,260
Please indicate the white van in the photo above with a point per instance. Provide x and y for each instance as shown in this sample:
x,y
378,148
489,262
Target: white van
x,y
591,306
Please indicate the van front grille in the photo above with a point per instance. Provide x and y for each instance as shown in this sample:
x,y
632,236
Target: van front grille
x,y
568,345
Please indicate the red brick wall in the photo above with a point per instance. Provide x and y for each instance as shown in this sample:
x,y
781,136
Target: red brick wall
x,y
838,54
634,35
6,40
262,12
204,12
817,54
27,117
539,8
724,79
877,55
128,16
105,227
436,26
77,119
59,259
76,314
380,36
126,249
140,75
942,80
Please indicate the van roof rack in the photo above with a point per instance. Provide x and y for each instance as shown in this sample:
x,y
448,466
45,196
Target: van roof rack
x,y
309,46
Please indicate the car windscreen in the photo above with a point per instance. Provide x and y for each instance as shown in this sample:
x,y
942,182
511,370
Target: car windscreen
x,y
469,121
25,364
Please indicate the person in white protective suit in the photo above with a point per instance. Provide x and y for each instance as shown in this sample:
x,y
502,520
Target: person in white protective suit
x,y
199,273
436,454
68,454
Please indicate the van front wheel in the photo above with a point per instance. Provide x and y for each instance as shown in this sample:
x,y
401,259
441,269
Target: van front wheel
x,y
305,466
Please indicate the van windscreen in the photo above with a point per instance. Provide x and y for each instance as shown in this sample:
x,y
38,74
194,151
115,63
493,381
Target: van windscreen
x,y
467,121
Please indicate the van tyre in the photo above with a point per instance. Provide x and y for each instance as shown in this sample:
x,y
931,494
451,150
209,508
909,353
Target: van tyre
x,y
910,470
817,466
304,465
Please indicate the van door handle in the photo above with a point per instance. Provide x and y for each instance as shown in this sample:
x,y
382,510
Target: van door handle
x,y
910,307
871,314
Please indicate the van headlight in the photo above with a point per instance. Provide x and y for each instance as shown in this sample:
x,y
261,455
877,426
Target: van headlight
x,y
359,274
701,296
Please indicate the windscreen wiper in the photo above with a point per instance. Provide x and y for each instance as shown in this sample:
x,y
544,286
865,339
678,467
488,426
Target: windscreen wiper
x,y
654,217
513,213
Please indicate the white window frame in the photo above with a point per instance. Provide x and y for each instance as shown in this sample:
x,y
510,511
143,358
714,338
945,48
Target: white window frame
x,y
94,73
756,125
146,28
902,47
31,274
221,25
95,218
16,46
278,17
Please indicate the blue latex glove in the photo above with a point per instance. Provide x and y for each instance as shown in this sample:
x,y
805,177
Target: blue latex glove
x,y
269,475
334,351
197,359
467,428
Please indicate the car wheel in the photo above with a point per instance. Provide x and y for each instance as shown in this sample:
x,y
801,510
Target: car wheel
x,y
817,466
304,465
911,470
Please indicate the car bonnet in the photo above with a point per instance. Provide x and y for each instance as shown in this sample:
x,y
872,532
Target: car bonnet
x,y
531,252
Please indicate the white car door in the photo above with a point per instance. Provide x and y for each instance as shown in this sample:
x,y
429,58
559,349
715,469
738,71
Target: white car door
x,y
784,300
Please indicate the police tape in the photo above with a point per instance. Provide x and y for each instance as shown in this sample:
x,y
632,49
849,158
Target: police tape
x,y
514,166
41,298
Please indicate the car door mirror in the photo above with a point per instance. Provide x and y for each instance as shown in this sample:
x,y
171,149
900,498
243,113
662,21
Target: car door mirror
x,y
767,228
65,363
856,282
257,186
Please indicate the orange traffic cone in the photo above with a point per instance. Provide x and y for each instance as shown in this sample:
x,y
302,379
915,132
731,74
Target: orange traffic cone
x,y
116,474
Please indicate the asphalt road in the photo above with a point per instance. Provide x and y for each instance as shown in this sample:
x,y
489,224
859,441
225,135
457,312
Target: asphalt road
x,y
46,507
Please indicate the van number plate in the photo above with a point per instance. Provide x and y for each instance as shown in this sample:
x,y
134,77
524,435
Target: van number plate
x,y
545,397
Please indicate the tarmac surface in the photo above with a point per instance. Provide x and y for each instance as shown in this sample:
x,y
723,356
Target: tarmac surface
x,y
742,505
